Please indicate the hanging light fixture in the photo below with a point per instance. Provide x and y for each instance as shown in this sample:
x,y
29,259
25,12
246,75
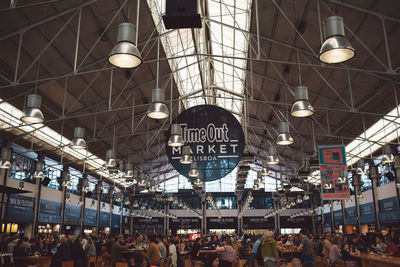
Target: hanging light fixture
x,y
299,200
5,162
175,139
21,185
186,158
256,186
39,174
125,54
387,156
284,137
111,160
68,197
301,106
85,185
265,171
360,167
32,113
142,182
128,172
193,170
66,179
272,158
78,142
158,110
198,182
80,201
336,48
118,197
306,197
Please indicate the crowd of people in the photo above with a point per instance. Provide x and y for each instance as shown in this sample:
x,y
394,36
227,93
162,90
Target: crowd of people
x,y
152,250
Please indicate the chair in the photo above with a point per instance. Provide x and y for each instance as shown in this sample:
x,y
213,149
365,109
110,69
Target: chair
x,y
67,264
340,263
92,262
99,261
121,264
242,262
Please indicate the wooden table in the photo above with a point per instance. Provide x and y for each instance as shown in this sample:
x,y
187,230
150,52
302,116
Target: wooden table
x,y
40,261
372,260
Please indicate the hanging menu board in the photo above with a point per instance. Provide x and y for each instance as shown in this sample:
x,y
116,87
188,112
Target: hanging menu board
x,y
20,209
333,168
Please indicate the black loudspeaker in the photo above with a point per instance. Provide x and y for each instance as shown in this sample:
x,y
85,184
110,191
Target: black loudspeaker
x,y
181,14
46,181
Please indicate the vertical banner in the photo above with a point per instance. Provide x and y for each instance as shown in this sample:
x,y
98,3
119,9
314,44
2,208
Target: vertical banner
x,y
333,168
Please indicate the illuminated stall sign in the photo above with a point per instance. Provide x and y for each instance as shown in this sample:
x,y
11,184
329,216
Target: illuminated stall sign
x,y
332,163
216,140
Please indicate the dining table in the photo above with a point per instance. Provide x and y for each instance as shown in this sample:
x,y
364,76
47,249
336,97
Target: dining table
x,y
40,261
376,260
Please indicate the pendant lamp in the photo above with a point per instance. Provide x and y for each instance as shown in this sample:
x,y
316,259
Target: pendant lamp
x,y
118,197
125,54
272,158
128,171
301,107
360,167
38,174
111,161
265,171
186,158
158,110
66,179
336,48
193,170
78,142
175,139
5,162
284,137
387,156
32,113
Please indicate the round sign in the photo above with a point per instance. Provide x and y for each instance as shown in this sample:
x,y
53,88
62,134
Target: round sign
x,y
216,141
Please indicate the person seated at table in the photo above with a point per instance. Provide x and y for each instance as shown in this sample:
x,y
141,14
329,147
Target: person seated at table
x,y
138,260
379,246
214,242
116,249
357,244
212,260
19,251
228,253
306,247
162,248
31,247
334,251
153,252
393,247
269,250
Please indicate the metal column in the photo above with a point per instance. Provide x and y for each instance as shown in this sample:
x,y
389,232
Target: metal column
x,y
373,172
357,191
121,215
397,168
98,197
204,214
63,199
343,205
37,206
332,219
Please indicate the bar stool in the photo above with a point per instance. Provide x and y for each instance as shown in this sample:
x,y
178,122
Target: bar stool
x,y
92,262
99,261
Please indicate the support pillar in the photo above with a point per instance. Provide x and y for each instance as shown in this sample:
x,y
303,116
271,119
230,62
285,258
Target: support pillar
x,y
313,214
131,219
397,169
357,191
240,219
373,173
204,214
64,172
332,219
98,197
323,215
166,219
83,205
37,206
343,205
121,214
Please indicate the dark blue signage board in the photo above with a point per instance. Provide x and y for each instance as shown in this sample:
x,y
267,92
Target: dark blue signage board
x,y
367,213
152,225
72,215
388,210
216,140
104,219
351,218
185,223
337,217
223,223
258,223
297,222
50,212
20,209
90,217
115,221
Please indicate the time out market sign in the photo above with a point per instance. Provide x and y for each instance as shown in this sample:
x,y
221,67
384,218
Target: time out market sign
x,y
216,141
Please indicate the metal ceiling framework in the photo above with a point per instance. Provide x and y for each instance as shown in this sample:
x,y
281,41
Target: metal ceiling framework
x,y
245,55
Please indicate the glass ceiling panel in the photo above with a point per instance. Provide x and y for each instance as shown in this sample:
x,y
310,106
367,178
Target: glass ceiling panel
x,y
227,19
383,131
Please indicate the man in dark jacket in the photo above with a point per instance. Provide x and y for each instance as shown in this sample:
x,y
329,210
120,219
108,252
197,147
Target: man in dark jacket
x,y
77,252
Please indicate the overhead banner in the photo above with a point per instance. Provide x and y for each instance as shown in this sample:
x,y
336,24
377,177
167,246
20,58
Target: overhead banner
x,y
333,168
216,141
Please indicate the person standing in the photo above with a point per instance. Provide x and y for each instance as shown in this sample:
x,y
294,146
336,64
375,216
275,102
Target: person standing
x,y
253,256
269,251
228,253
162,248
306,247
153,252
172,252
326,245
116,249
